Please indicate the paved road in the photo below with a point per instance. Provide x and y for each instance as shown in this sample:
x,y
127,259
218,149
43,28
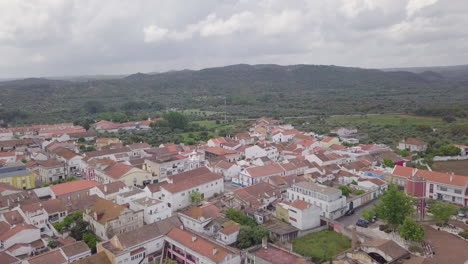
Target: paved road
x,y
350,220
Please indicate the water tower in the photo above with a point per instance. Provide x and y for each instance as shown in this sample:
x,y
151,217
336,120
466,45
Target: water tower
x,y
416,188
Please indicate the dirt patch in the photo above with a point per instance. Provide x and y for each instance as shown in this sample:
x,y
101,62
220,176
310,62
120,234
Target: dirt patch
x,y
459,167
447,247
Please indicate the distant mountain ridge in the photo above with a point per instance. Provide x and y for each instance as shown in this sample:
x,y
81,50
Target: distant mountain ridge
x,y
250,90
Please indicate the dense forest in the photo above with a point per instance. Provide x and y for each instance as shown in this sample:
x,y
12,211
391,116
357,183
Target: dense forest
x,y
246,91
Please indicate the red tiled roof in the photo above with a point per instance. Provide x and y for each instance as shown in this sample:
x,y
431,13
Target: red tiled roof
x,y
200,245
73,186
230,229
299,204
414,141
265,170
433,176
15,230
205,211
51,257
117,170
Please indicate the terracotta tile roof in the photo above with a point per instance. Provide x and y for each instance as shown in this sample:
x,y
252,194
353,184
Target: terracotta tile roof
x,y
7,187
181,182
231,229
254,194
50,163
100,258
337,147
414,141
433,176
148,232
117,170
65,153
328,139
106,210
4,227
73,186
6,258
135,146
265,170
220,151
275,255
388,246
112,187
15,230
299,204
200,245
75,249
106,152
156,187
375,181
205,211
50,206
223,164
13,217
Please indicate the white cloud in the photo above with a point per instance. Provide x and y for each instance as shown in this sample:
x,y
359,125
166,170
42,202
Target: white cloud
x,y
154,33
56,37
415,5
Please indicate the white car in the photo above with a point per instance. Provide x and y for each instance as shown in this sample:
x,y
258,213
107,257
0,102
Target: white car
x,y
461,214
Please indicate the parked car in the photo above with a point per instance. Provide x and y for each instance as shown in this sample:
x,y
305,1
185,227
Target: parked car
x,y
374,219
349,212
461,214
362,223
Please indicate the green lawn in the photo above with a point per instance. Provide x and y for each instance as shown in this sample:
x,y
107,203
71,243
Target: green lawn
x,y
322,245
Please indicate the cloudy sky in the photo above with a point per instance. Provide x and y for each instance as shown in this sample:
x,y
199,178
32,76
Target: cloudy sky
x,y
66,37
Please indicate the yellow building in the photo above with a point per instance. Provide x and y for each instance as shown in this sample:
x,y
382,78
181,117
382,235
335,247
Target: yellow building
x,y
17,175
282,213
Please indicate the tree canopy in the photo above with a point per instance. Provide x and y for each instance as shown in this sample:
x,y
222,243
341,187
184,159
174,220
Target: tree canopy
x,y
395,206
441,212
251,235
410,230
176,120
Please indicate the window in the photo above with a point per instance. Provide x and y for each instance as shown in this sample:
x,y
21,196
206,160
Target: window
x,y
457,191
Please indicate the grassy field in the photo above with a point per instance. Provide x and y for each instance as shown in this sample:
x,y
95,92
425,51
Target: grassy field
x,y
322,245
459,167
392,120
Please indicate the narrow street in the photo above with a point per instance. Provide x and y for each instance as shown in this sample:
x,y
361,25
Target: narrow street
x,y
350,220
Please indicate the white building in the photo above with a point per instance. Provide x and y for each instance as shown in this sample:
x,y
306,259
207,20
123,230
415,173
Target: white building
x,y
227,169
301,214
197,219
177,192
154,210
255,152
330,200
130,194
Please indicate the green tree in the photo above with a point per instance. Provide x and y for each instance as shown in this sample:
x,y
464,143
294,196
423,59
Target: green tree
x,y
52,243
388,163
368,214
448,150
93,107
78,229
441,212
91,240
196,198
239,217
395,206
176,120
251,235
24,160
404,153
345,190
410,230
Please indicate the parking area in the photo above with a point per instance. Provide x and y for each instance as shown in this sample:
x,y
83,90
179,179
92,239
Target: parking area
x,y
352,219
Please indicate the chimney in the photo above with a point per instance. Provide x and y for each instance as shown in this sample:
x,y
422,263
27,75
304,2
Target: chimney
x,y
194,238
354,238
264,242
105,188
215,250
451,177
413,172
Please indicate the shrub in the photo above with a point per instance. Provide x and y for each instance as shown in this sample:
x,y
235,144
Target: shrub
x,y
383,227
359,192
388,230
414,248
464,234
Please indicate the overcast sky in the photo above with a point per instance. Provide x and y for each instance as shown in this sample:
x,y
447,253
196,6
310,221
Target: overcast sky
x,y
61,37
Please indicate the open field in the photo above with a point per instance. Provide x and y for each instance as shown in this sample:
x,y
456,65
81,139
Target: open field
x,y
322,245
459,167
392,120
